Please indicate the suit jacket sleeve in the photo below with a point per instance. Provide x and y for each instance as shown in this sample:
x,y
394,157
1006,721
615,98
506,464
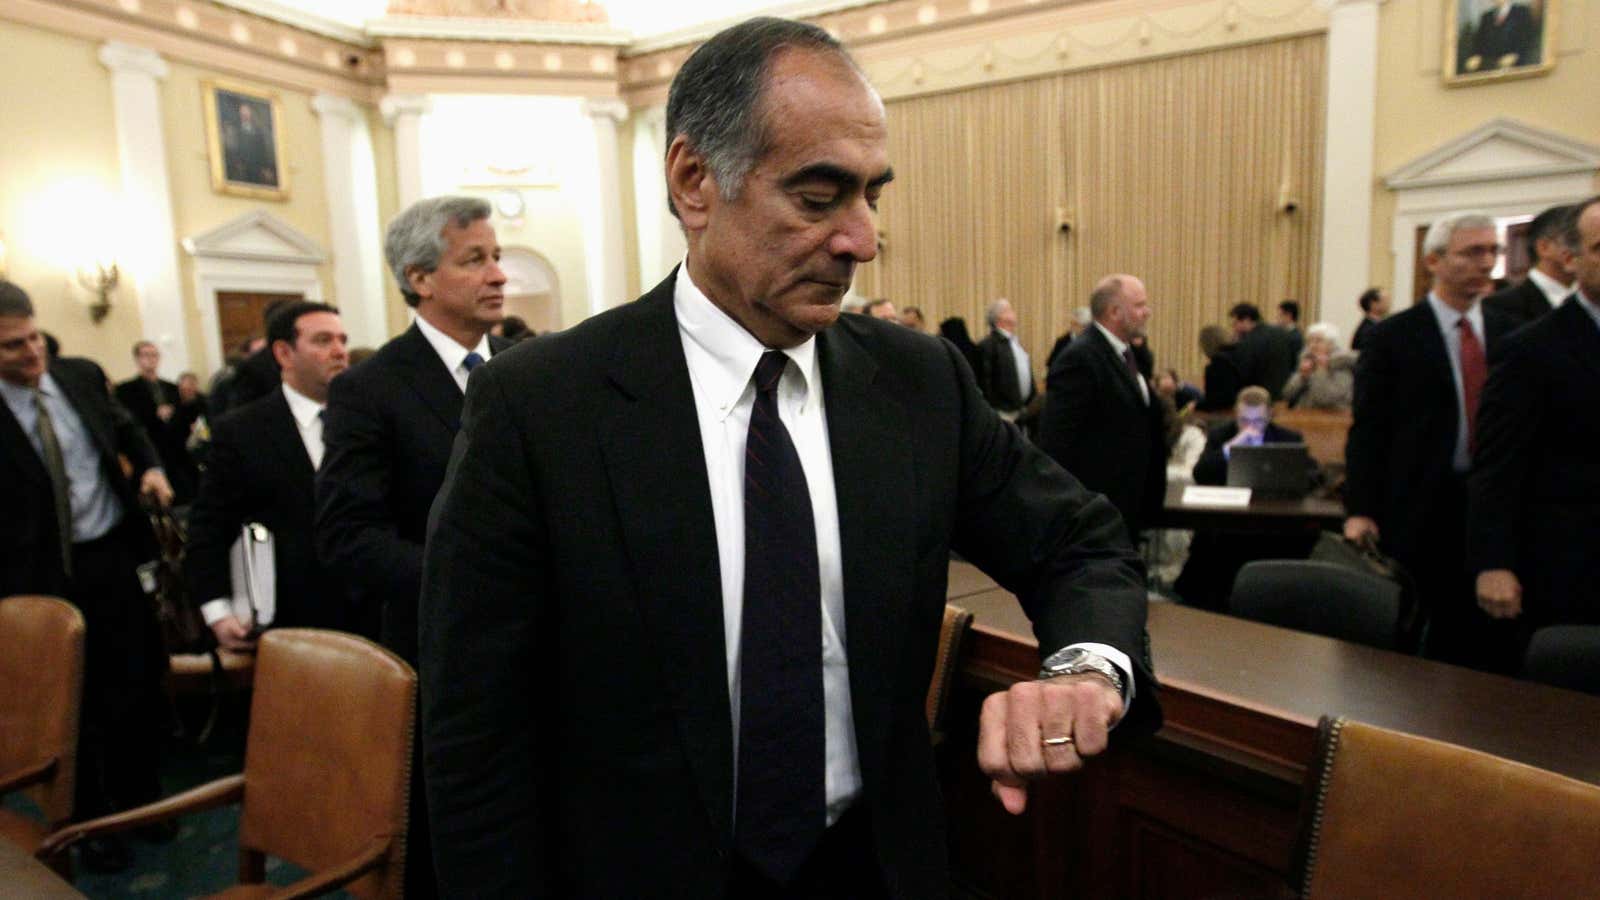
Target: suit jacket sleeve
x,y
1213,465
219,510
356,531
1509,418
1371,428
482,590
1066,424
988,364
1061,549
131,438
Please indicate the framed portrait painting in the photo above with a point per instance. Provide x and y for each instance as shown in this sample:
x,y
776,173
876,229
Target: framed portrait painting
x,y
244,141
1492,40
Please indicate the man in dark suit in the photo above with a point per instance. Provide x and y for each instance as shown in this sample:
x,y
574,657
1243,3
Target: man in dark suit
x,y
154,403
1099,422
1006,376
1289,323
1507,36
1535,488
262,469
1264,353
73,528
1550,280
1222,379
1418,385
389,426
1374,307
737,580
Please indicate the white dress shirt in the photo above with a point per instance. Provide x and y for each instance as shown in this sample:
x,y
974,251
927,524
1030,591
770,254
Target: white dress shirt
x,y
1553,290
452,353
1449,330
307,415
1024,365
1120,346
90,496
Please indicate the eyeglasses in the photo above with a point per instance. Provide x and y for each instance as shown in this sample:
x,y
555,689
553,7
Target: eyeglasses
x,y
1491,250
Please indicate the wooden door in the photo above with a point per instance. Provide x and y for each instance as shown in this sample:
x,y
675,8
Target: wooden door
x,y
240,316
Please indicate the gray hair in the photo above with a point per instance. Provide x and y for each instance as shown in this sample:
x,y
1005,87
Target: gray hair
x,y
416,236
992,314
1569,232
14,302
1326,331
1442,230
1083,316
715,99
1105,295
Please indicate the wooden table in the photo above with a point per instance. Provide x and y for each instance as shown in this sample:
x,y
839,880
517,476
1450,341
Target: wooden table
x,y
1263,515
1212,803
23,876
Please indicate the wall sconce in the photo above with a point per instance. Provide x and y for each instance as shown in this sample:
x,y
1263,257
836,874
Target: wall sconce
x,y
100,282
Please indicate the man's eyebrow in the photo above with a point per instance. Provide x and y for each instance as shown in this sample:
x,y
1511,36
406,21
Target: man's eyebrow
x,y
836,174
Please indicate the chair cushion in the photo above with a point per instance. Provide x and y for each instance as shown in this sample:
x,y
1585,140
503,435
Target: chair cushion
x,y
22,831
245,892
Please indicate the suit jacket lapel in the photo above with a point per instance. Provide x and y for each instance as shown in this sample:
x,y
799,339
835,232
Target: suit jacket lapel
x,y
284,433
650,441
17,446
869,439
425,372
1119,365
1582,336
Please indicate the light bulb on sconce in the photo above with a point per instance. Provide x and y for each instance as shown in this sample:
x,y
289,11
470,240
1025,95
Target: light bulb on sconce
x,y
100,279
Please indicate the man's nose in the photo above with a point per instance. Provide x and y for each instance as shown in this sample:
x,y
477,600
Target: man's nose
x,y
857,233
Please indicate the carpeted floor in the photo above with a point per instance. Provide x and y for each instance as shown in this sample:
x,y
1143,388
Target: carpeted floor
x,y
204,857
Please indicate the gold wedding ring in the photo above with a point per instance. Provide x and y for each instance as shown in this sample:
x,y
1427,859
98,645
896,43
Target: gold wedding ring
x,y
1063,741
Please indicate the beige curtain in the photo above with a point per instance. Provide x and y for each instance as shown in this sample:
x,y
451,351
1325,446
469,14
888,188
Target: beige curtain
x,y
1175,170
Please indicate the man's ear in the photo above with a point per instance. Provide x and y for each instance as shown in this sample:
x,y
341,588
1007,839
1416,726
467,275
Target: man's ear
x,y
418,279
689,184
282,353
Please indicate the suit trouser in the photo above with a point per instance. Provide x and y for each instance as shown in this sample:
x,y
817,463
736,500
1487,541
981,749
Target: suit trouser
x,y
1459,631
124,709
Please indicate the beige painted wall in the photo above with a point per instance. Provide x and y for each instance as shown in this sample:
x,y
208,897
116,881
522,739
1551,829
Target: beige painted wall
x,y
383,157
1417,113
58,181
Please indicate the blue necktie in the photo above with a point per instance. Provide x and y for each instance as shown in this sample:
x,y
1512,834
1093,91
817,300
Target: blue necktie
x,y
781,809
472,361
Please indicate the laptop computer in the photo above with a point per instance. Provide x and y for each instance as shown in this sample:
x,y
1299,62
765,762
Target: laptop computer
x,y
1272,470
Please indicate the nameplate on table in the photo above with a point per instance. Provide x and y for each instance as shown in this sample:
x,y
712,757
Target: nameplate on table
x,y
1223,497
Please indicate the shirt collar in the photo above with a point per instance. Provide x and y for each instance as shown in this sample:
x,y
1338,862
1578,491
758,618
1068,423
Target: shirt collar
x,y
1553,290
304,409
1589,306
730,351
449,351
1117,344
1448,315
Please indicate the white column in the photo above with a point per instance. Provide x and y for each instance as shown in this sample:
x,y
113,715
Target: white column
x,y
1349,136
603,249
352,185
661,241
146,248
404,113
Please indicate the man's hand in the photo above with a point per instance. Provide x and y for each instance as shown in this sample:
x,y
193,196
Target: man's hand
x,y
1307,364
165,411
1357,528
153,486
1015,724
232,634
1500,593
1249,436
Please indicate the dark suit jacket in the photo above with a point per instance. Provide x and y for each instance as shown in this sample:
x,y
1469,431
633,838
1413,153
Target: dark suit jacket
x,y
1223,380
386,436
1098,427
30,548
1402,438
1517,34
256,377
998,374
1535,486
575,693
1522,302
1363,331
1265,357
1212,467
258,471
169,437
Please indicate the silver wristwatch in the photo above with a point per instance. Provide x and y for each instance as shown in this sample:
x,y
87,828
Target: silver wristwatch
x,y
1078,661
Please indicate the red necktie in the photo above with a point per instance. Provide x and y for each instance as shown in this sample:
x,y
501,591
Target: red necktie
x,y
1474,372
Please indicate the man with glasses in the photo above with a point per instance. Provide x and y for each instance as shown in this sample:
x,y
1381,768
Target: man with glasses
x,y
1411,443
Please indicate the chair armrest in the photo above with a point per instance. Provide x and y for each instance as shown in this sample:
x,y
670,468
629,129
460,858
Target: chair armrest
x,y
328,880
222,792
33,774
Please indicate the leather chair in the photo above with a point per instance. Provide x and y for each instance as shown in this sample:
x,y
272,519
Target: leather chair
x,y
1566,656
952,635
326,770
1319,597
41,688
1393,815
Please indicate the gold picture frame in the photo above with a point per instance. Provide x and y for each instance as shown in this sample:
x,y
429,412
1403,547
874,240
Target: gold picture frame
x,y
246,153
1498,40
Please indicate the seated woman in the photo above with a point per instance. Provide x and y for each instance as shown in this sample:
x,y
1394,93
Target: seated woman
x,y
1327,375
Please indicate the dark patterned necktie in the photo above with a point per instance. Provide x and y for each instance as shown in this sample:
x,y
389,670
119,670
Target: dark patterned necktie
x,y
1474,372
56,465
781,808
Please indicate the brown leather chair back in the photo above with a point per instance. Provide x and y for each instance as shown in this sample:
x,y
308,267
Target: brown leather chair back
x,y
327,763
951,636
1392,815
41,687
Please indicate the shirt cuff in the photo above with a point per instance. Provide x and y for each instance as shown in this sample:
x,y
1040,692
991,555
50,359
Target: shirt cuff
x,y
1116,658
214,611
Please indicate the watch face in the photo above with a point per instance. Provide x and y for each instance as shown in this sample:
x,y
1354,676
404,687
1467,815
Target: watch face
x,y
509,204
